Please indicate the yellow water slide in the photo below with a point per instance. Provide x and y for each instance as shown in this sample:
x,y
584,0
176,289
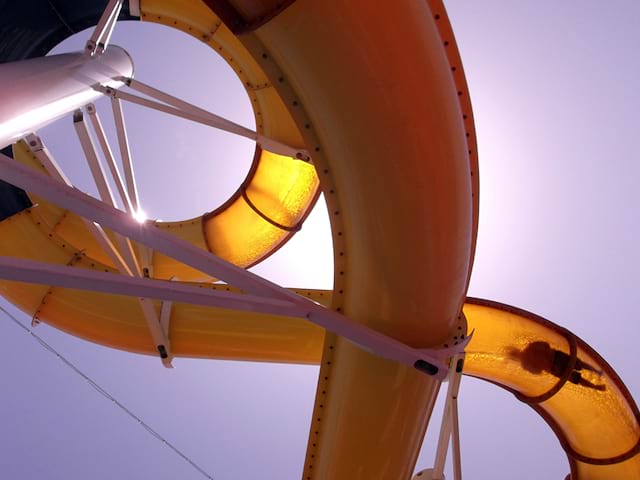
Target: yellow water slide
x,y
564,380
376,93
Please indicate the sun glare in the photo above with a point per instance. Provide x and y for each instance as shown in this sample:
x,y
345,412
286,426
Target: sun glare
x,y
140,216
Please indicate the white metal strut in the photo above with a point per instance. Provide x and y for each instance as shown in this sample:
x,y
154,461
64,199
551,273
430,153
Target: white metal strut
x,y
179,108
449,429
53,169
101,214
124,263
125,154
430,361
108,156
101,35
160,339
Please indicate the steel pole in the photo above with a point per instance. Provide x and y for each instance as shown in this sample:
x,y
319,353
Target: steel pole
x,y
36,92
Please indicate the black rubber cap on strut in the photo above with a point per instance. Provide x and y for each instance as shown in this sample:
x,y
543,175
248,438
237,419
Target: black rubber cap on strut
x,y
162,350
425,367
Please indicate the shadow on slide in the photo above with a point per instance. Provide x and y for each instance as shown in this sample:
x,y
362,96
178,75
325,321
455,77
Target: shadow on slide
x,y
564,380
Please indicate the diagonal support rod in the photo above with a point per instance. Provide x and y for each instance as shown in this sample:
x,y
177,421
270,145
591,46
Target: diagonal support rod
x,y
89,150
53,169
104,190
101,35
429,361
31,271
146,233
179,108
108,155
125,154
449,429
153,322
122,263
265,142
165,316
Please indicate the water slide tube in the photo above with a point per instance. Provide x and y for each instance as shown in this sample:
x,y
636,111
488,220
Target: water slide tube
x,y
385,113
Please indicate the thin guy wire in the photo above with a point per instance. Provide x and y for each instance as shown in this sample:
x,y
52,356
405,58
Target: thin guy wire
x,y
105,394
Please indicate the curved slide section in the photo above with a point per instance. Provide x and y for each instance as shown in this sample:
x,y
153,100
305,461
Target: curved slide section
x,y
564,380
544,365
388,151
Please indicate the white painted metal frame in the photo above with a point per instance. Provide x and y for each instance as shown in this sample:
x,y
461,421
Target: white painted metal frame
x,y
134,8
430,361
125,154
104,190
90,153
108,156
31,271
126,248
177,107
125,265
262,295
449,429
53,169
102,33
165,313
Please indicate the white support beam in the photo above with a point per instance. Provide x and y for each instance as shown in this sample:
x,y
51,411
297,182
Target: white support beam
x,y
30,271
449,429
91,155
126,248
108,155
129,255
46,159
134,8
429,361
105,243
104,190
53,169
165,313
145,233
108,31
160,340
101,35
455,440
125,154
175,106
165,316
146,260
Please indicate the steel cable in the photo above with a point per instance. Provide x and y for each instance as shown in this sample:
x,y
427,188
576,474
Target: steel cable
x,y
105,394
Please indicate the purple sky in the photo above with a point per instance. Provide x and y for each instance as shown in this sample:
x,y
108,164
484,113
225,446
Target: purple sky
x,y
554,92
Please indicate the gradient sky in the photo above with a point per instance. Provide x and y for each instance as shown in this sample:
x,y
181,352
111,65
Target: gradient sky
x,y
554,91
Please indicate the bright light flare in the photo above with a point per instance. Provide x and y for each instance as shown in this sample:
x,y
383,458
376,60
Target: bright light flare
x,y
140,216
